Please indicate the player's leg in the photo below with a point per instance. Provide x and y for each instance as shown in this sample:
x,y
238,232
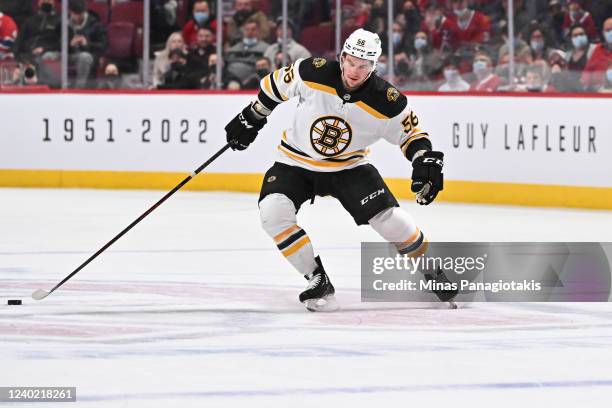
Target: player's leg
x,y
368,199
284,189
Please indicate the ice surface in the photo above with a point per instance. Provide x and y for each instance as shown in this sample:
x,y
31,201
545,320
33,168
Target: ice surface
x,y
196,308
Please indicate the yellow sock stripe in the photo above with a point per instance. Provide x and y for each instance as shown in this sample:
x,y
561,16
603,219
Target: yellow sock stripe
x,y
296,246
412,239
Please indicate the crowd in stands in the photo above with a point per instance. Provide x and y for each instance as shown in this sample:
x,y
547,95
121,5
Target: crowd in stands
x,y
443,45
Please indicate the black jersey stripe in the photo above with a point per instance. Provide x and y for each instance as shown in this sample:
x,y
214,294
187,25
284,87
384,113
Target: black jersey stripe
x,y
297,235
267,101
275,89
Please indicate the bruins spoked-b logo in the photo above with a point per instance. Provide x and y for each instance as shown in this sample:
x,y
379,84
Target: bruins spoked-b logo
x,y
330,135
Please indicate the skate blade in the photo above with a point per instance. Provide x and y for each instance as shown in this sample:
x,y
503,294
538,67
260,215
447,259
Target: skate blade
x,y
324,304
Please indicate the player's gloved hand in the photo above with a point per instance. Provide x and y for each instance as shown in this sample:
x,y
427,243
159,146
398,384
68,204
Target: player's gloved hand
x,y
427,177
242,130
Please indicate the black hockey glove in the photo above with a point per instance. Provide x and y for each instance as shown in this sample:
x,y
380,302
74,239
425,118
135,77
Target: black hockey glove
x,y
242,130
427,177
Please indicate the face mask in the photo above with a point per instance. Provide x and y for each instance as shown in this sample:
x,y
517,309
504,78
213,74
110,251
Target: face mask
x,y
608,36
580,41
381,68
420,43
249,41
262,73
46,8
200,17
479,67
396,38
451,75
537,45
609,75
213,68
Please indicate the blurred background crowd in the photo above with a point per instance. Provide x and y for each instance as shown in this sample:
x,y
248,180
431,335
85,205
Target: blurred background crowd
x,y
428,45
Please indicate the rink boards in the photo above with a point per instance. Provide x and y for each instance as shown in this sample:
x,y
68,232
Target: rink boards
x,y
545,151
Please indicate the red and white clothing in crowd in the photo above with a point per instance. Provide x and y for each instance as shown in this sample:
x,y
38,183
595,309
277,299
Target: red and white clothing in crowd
x,y
584,19
487,84
8,34
453,32
594,73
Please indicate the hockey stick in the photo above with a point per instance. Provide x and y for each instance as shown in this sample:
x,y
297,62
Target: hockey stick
x,y
41,294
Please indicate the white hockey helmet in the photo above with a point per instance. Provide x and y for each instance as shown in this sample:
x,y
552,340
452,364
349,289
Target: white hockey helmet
x,y
363,44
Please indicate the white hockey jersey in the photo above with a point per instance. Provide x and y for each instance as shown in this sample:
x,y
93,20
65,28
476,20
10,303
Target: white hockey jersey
x,y
332,128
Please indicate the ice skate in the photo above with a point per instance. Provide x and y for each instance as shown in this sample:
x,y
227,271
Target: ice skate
x,y
319,294
441,289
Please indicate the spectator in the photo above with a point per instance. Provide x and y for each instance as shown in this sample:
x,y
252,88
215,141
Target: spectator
x,y
241,57
162,58
539,42
593,75
576,15
425,64
200,52
560,77
412,18
178,76
399,39
578,56
112,79
263,67
466,27
502,70
19,10
278,59
8,35
554,20
163,21
607,87
243,12
295,50
86,40
535,80
486,80
201,18
210,81
39,37
453,80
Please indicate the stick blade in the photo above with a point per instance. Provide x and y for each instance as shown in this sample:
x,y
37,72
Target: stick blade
x,y
40,294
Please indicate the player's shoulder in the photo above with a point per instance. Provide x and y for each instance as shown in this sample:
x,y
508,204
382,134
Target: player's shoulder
x,y
384,97
319,70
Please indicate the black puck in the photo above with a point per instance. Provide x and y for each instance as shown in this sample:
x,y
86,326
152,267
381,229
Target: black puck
x,y
14,302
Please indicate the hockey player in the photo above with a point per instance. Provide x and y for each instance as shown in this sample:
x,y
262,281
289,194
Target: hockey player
x,y
343,108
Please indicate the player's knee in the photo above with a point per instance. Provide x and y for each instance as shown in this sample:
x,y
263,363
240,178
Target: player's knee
x,y
277,213
394,225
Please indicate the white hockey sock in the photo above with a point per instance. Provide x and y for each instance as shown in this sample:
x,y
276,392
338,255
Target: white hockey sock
x,y
397,226
279,220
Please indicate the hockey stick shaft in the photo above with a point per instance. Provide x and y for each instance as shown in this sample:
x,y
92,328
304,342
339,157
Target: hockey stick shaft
x,y
40,294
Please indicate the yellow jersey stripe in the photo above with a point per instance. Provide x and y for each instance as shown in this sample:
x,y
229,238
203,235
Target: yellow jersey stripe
x,y
321,87
317,163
